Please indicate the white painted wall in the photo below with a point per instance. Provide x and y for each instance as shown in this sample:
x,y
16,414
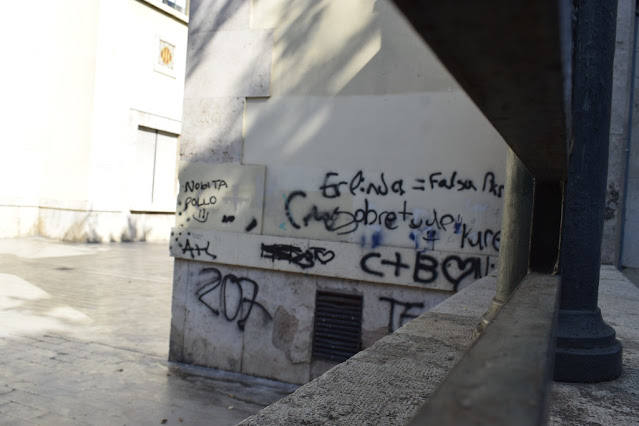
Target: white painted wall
x,y
354,88
48,91
127,80
82,78
306,88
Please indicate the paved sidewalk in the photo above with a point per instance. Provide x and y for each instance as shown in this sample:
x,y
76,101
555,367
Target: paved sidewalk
x,y
84,341
632,274
615,402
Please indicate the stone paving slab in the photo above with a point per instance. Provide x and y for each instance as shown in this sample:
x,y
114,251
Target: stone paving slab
x,y
84,341
632,274
615,402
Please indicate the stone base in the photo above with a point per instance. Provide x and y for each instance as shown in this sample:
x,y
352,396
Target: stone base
x,y
587,350
588,365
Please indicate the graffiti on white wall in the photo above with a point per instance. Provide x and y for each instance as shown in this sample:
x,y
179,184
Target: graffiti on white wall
x,y
228,296
438,211
399,312
391,265
220,196
437,230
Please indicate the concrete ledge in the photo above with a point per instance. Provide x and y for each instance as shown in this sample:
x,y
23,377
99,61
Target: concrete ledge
x,y
505,377
388,382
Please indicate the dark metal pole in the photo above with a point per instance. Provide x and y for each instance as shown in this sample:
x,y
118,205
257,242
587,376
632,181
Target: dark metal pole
x,y
587,350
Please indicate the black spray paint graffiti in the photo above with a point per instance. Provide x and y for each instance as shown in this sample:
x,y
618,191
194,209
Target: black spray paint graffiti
x,y
302,211
199,202
202,200
344,222
232,308
333,187
251,225
490,185
480,239
201,215
193,186
437,180
295,255
196,248
360,184
404,315
426,269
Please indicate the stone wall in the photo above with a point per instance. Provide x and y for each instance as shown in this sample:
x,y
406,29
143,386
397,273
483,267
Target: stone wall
x,y
76,168
619,132
324,150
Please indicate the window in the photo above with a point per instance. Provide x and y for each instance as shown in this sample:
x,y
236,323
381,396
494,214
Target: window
x,y
178,9
154,180
179,5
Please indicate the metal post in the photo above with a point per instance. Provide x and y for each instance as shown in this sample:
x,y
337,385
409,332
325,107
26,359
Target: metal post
x,y
515,234
587,350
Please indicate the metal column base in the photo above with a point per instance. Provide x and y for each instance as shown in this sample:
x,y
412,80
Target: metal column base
x,y
587,350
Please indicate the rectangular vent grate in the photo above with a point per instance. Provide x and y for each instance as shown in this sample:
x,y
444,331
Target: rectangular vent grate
x,y
338,326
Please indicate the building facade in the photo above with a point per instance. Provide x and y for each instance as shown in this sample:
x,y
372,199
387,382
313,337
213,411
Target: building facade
x,y
93,114
621,220
335,182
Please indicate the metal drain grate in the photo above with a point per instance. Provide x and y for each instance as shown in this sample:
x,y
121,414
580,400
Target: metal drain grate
x,y
338,326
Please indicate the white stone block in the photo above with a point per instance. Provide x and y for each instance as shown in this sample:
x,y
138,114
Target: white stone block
x,y
228,64
212,336
178,309
220,196
212,130
280,348
387,265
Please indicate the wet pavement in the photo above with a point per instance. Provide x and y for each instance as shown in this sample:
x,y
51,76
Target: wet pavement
x,y
84,333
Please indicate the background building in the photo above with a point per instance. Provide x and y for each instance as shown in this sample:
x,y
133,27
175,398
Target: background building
x,y
92,110
620,245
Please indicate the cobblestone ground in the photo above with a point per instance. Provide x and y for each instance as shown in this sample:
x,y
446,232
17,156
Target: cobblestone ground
x,y
84,341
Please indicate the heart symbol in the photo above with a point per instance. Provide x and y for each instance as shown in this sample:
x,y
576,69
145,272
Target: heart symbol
x,y
467,267
323,255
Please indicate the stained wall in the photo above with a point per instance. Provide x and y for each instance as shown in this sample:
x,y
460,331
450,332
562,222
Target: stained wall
x,y
324,148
